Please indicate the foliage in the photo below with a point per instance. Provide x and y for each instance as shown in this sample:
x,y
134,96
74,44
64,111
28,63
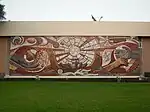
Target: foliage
x,y
2,12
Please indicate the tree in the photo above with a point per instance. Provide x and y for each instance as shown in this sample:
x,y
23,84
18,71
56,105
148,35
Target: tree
x,y
2,12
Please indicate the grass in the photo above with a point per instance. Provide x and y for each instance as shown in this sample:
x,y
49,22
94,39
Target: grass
x,y
46,96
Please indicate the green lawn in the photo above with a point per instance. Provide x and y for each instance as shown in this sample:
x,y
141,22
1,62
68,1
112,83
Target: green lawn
x,y
46,96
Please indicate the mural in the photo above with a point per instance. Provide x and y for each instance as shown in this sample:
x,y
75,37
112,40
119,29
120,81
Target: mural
x,y
74,55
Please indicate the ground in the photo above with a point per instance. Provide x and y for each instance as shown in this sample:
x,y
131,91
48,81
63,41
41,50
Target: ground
x,y
47,96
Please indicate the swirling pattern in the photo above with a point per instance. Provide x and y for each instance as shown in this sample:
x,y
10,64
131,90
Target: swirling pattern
x,y
17,40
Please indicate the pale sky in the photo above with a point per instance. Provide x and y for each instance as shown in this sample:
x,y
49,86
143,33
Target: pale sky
x,y
77,10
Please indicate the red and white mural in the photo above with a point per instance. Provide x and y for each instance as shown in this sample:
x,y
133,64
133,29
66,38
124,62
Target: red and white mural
x,y
74,55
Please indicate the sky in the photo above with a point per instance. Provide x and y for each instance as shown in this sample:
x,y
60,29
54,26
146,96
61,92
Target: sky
x,y
77,10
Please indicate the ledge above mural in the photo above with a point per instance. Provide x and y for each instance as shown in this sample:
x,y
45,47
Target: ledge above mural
x,y
75,56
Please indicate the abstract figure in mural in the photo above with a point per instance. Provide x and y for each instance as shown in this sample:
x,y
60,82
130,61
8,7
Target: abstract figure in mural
x,y
85,55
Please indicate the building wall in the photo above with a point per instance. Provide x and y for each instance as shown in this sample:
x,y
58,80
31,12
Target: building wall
x,y
146,54
88,28
84,28
4,56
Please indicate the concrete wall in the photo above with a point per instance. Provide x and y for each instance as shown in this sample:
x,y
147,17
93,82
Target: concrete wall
x,y
74,28
146,54
4,54
88,28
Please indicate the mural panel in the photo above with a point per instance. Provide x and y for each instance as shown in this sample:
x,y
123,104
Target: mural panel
x,y
75,56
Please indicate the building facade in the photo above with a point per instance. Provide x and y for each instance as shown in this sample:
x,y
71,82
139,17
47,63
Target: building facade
x,y
74,49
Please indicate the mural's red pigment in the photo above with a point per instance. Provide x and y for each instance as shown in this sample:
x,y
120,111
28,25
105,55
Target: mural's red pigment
x,y
75,56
